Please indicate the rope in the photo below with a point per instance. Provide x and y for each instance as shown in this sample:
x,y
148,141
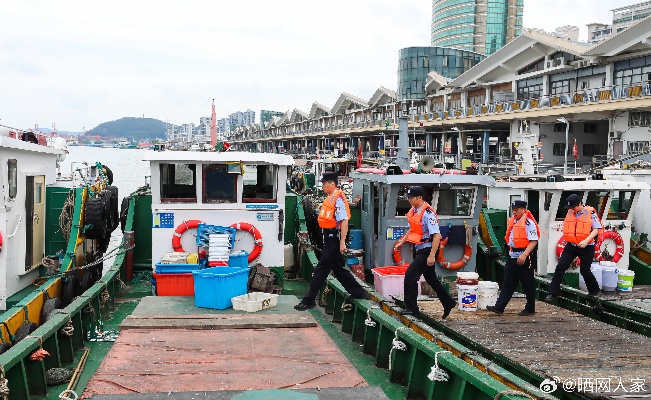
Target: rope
x,y
346,307
512,393
65,218
368,321
4,384
68,329
67,393
26,314
104,298
20,218
397,345
438,374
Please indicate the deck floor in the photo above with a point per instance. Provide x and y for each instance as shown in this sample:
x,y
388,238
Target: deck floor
x,y
217,354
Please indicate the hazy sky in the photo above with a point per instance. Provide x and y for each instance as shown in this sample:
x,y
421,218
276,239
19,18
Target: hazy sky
x,y
81,63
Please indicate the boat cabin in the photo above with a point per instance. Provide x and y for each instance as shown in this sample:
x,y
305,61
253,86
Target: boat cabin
x,y
221,189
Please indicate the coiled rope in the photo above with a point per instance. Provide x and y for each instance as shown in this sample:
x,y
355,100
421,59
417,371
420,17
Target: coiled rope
x,y
368,321
4,384
65,218
512,393
438,374
397,345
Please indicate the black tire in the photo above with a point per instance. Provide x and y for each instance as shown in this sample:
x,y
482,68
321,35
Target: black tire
x,y
124,211
4,347
24,330
48,307
69,289
109,174
115,212
86,279
94,215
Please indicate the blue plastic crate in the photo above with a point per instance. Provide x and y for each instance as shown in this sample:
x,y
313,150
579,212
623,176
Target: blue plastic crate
x,y
239,259
214,287
204,231
176,268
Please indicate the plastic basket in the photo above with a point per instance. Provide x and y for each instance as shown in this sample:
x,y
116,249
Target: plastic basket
x,y
214,287
391,280
204,231
255,301
239,259
174,284
176,268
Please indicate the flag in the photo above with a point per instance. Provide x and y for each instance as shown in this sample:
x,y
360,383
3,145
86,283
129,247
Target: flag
x,y
359,155
213,126
575,151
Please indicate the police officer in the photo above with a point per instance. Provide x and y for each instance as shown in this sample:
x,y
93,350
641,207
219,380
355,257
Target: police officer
x,y
425,235
333,219
522,234
580,228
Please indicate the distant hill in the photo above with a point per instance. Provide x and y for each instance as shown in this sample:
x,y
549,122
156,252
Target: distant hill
x,y
130,128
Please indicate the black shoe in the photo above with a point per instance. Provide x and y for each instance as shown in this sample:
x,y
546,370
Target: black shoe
x,y
365,296
495,310
594,293
446,310
525,313
408,311
303,307
551,297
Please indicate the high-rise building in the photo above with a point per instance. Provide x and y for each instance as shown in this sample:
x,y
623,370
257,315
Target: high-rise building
x,y
623,17
479,26
266,115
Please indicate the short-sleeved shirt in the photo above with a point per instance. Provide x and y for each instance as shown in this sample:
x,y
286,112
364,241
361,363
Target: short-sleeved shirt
x,y
596,224
340,211
532,234
430,225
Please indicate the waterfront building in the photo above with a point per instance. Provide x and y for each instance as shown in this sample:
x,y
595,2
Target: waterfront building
x,y
623,17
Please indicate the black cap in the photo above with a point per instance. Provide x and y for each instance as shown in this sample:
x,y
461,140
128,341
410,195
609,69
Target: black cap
x,y
415,191
329,176
573,200
519,204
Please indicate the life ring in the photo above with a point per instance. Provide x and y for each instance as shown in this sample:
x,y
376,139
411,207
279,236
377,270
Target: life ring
x,y
184,226
619,245
397,254
257,244
453,266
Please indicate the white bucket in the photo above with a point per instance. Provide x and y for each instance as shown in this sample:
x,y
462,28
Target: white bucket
x,y
610,277
597,271
487,294
289,257
625,280
467,297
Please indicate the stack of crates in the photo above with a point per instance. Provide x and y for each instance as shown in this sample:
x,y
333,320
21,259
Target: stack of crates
x,y
219,249
173,275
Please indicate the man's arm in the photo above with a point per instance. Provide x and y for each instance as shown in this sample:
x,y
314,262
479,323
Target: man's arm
x,y
436,240
402,240
342,235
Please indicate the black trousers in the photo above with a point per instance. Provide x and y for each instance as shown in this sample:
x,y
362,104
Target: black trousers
x,y
514,273
419,268
586,255
332,260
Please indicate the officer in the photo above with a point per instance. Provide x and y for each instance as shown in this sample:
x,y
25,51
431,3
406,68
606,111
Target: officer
x,y
425,235
333,219
522,234
580,228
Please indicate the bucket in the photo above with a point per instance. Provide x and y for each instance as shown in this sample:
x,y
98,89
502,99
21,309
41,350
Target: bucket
x,y
357,253
610,277
486,294
356,239
467,295
289,256
625,280
467,278
358,271
350,261
597,271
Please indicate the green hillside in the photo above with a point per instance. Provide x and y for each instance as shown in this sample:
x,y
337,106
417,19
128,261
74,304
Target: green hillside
x,y
131,128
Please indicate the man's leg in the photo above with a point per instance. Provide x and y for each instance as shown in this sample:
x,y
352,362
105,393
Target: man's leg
x,y
412,276
525,275
433,280
322,270
508,284
586,256
569,253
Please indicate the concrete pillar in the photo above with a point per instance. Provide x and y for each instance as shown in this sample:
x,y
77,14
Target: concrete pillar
x,y
485,142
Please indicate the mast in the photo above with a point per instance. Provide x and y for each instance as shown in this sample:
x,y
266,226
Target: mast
x,y
213,126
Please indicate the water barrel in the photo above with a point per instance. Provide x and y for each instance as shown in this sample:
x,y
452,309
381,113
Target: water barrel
x,y
625,280
358,254
467,295
610,277
597,271
486,294
358,271
289,256
356,239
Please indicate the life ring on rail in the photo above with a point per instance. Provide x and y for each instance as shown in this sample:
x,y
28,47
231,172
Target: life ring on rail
x,y
619,245
397,254
184,226
257,244
453,266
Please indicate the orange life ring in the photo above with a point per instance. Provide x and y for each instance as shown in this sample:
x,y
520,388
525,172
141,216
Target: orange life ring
x,y
397,254
184,226
453,266
619,245
257,244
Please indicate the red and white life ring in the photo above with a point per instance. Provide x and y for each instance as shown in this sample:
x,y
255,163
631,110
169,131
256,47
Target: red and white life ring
x,y
560,246
619,245
397,254
453,266
0,241
184,226
257,244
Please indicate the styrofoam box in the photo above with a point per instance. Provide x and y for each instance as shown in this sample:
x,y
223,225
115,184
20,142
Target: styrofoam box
x,y
256,301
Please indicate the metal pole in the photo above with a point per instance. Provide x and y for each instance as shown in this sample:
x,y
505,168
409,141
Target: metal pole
x,y
567,130
403,158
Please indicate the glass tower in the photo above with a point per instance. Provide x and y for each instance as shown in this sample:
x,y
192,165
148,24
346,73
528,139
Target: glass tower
x,y
481,26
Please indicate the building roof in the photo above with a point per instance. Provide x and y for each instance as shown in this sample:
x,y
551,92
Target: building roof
x,y
318,110
382,96
346,100
636,37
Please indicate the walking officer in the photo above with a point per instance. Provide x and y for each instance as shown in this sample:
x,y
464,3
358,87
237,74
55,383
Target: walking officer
x,y
522,234
333,220
580,228
425,235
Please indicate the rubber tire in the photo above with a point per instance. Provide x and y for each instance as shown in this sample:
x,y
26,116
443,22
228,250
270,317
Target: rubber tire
x,y
69,289
109,174
86,278
115,212
93,215
124,211
4,347
48,307
24,330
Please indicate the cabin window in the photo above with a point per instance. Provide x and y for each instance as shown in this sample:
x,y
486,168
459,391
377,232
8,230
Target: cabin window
x,y
455,202
218,185
260,184
598,201
178,183
12,178
621,205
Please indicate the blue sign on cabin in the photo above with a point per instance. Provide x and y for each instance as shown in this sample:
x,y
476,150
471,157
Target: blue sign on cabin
x,y
395,233
163,220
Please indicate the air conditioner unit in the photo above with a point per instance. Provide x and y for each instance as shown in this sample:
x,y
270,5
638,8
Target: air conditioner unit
x,y
388,107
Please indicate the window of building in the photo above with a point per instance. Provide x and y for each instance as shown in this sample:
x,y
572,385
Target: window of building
x,y
585,84
560,127
12,178
536,66
260,184
639,118
638,147
590,149
445,61
559,148
178,183
590,127
219,185
560,87
632,71
530,88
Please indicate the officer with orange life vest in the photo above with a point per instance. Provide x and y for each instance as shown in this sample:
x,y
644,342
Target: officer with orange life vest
x,y
580,228
522,234
425,235
333,220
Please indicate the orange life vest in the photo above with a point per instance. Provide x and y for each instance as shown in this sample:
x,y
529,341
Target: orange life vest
x,y
415,228
519,228
576,229
327,215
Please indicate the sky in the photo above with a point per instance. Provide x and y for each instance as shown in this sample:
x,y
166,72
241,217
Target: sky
x,y
81,63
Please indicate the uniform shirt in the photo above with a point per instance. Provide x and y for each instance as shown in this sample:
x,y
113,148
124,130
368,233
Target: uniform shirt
x,y
430,225
532,234
596,224
340,211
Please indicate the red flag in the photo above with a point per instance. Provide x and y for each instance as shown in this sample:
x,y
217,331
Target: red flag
x,y
359,155
575,151
213,126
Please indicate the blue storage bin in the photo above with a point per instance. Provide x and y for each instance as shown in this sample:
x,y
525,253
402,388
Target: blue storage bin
x,y
204,231
239,259
176,268
214,287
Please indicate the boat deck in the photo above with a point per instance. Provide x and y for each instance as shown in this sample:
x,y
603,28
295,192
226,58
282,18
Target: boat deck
x,y
559,343
639,298
168,345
